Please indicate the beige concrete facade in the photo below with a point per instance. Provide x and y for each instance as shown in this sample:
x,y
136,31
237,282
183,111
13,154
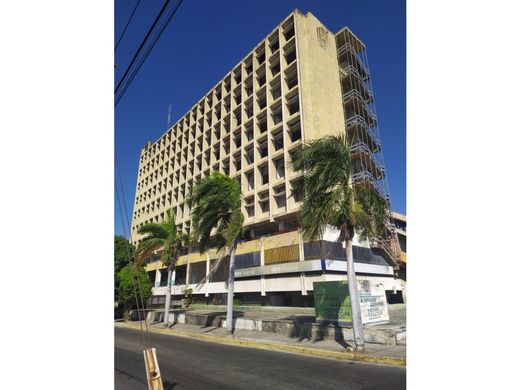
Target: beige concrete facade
x,y
286,90
290,88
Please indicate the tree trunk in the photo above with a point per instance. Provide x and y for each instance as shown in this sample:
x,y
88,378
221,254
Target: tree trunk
x,y
126,313
357,323
231,285
168,296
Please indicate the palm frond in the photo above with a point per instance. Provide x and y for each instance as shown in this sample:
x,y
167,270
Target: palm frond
x,y
329,197
154,230
215,202
147,247
222,253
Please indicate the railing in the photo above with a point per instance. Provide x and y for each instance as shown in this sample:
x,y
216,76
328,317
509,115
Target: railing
x,y
354,93
348,47
346,70
358,120
367,177
385,245
361,147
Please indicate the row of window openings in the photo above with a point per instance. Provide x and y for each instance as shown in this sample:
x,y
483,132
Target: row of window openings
x,y
277,141
291,79
278,193
290,57
276,92
293,107
262,103
263,171
263,201
274,45
264,174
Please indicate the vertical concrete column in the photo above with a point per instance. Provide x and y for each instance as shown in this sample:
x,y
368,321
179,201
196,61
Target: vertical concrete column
x,y
157,277
206,285
262,263
303,281
173,278
188,272
281,225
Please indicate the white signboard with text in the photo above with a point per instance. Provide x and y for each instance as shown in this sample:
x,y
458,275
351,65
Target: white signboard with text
x,y
374,307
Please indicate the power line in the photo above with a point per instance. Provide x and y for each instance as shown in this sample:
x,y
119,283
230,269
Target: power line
x,y
132,71
150,30
137,292
127,23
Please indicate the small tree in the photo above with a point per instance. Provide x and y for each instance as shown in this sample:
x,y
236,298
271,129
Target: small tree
x,y
330,198
122,250
165,237
132,280
215,202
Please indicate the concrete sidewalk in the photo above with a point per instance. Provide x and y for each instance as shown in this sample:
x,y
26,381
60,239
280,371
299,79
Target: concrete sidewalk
x,y
281,330
281,321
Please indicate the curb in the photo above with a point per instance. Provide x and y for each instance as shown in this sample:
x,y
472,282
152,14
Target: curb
x,y
346,355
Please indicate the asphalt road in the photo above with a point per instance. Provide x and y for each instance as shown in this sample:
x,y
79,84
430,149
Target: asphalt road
x,y
192,364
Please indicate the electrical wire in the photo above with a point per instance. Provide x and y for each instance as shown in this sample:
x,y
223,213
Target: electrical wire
x,y
132,70
126,26
129,232
143,334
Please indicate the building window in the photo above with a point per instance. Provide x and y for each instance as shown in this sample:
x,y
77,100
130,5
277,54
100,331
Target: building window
x,y
293,105
295,131
238,117
262,148
249,110
238,162
276,91
261,79
250,177
249,131
277,115
292,79
288,31
249,67
274,45
263,200
262,102
250,155
280,168
238,76
262,124
250,206
238,96
264,174
279,196
275,69
290,55
260,57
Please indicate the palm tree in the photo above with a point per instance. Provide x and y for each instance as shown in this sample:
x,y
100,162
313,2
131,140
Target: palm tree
x,y
330,198
163,236
215,202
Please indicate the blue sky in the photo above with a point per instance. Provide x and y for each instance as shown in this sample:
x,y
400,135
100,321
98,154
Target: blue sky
x,y
205,39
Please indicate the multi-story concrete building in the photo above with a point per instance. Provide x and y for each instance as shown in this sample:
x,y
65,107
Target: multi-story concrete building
x,y
301,82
